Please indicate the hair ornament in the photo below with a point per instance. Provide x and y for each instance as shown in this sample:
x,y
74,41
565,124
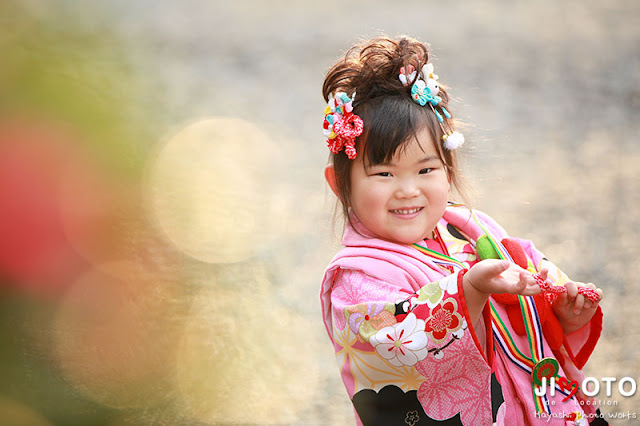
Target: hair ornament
x,y
341,126
407,74
453,140
424,91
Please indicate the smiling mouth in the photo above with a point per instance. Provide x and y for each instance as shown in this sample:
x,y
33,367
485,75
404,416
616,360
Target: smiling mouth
x,y
407,211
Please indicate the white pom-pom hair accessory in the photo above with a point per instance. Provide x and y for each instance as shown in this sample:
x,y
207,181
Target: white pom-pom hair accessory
x,y
453,140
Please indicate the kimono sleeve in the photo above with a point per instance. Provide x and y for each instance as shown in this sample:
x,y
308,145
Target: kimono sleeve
x,y
401,328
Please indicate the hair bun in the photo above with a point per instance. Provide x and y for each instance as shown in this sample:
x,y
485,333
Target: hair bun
x,y
371,68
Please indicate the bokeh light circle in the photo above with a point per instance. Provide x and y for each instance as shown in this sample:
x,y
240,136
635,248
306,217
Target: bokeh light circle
x,y
15,413
34,251
105,219
208,188
115,337
244,358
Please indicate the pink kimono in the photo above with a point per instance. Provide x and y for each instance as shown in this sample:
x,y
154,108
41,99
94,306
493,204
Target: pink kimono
x,y
407,350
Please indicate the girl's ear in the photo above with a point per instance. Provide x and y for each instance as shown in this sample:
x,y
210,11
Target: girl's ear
x,y
330,176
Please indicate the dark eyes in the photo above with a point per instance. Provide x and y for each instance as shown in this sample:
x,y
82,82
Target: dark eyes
x,y
421,172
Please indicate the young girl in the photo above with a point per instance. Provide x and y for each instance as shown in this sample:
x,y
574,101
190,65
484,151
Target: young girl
x,y
435,314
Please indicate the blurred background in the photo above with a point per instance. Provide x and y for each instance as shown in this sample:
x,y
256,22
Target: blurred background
x,y
164,222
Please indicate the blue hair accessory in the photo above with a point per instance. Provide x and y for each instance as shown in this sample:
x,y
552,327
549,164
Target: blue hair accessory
x,y
424,91
421,93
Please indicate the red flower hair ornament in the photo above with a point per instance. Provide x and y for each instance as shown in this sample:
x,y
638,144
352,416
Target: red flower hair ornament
x,y
341,126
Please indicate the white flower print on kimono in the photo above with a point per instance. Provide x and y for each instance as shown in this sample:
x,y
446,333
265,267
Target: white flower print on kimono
x,y
404,343
433,293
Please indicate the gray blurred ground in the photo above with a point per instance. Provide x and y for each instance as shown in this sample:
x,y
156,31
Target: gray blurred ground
x,y
550,93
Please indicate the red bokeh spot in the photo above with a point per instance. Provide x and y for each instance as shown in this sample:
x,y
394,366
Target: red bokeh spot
x,y
34,252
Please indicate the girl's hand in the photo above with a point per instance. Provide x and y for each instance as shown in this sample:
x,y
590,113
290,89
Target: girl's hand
x,y
493,276
572,309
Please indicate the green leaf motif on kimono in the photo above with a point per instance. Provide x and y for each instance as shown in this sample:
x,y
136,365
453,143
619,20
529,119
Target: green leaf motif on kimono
x,y
431,294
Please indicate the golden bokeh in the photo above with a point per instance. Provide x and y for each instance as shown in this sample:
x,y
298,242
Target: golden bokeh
x,y
17,414
115,337
185,247
208,190
244,358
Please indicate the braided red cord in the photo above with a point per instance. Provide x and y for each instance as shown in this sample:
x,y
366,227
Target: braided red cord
x,y
347,128
341,125
551,292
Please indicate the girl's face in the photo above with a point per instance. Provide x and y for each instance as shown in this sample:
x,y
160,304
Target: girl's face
x,y
401,201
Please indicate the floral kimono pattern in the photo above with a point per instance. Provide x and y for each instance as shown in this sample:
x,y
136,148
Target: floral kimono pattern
x,y
405,346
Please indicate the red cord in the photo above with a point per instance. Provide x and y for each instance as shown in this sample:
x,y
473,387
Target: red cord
x,y
551,292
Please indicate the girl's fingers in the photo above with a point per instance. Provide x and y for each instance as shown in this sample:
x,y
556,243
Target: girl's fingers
x,y
497,268
572,290
588,304
531,291
528,285
579,304
544,274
